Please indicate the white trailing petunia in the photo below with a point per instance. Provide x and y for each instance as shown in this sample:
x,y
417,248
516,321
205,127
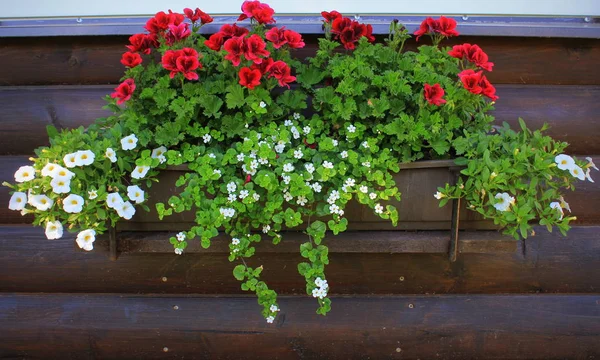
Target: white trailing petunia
x,y
159,153
24,173
139,172
111,155
588,176
73,204
50,169
70,160
63,173
61,185
129,142
54,230
92,194
504,200
114,200
18,200
564,162
135,194
556,205
85,157
40,202
85,239
591,163
577,172
126,210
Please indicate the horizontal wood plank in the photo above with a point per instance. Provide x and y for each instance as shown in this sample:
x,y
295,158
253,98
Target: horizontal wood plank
x,y
445,327
571,112
96,59
545,263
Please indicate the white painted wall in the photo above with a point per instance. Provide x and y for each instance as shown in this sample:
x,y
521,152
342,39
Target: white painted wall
x,y
95,8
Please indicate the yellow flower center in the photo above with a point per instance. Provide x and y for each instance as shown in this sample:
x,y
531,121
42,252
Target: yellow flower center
x,y
140,170
25,174
84,156
130,141
74,202
575,171
87,238
19,200
564,162
43,201
137,194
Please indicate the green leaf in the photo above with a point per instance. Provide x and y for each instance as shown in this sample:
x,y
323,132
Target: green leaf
x,y
235,97
52,132
239,272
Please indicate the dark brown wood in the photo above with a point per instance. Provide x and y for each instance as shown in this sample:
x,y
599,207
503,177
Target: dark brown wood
x,y
377,265
96,59
454,233
570,110
444,327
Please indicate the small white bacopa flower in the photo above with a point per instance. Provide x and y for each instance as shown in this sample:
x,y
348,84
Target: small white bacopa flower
x,y
73,204
180,236
85,239
129,142
178,251
504,200
139,172
363,189
577,172
17,202
114,200
61,185
206,138
40,202
274,308
24,173
378,209
296,116
50,169
556,205
564,162
85,157
135,194
235,241
270,319
438,195
344,154
70,160
288,167
327,165
111,155
373,196
126,210
351,128
54,230
266,229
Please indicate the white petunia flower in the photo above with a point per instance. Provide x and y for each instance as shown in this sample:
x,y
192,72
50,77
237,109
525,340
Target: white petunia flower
x,y
135,194
111,155
298,154
139,172
373,196
288,167
231,187
63,173
588,176
85,157
301,200
70,160
114,200
344,154
206,138
556,205
438,195
577,172
244,194
126,210
17,202
50,169
363,189
274,308
178,251
25,173
60,185
180,236
564,162
317,187
40,202
351,128
92,194
327,165
54,230
296,116
73,204
591,163
85,239
262,104
129,142
270,319
159,153
378,209
504,201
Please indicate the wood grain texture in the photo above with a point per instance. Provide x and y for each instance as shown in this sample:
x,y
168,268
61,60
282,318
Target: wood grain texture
x,y
572,112
547,263
407,327
96,59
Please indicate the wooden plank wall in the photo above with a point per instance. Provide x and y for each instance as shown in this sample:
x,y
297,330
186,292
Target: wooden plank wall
x,y
395,295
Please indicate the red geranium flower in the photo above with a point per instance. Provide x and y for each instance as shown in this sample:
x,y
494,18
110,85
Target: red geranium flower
x,y
195,15
473,53
235,49
351,34
433,94
459,51
141,43
339,24
330,16
249,78
281,71
293,39
263,67
248,8
131,59
488,89
254,48
369,33
233,30
215,41
161,21
177,33
187,63
276,36
471,80
444,26
262,13
427,26
124,91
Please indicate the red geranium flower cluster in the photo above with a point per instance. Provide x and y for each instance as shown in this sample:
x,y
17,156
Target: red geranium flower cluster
x,y
124,91
477,83
472,53
250,76
444,26
253,49
433,94
161,21
131,59
142,43
216,40
346,30
183,61
262,13
281,36
195,15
